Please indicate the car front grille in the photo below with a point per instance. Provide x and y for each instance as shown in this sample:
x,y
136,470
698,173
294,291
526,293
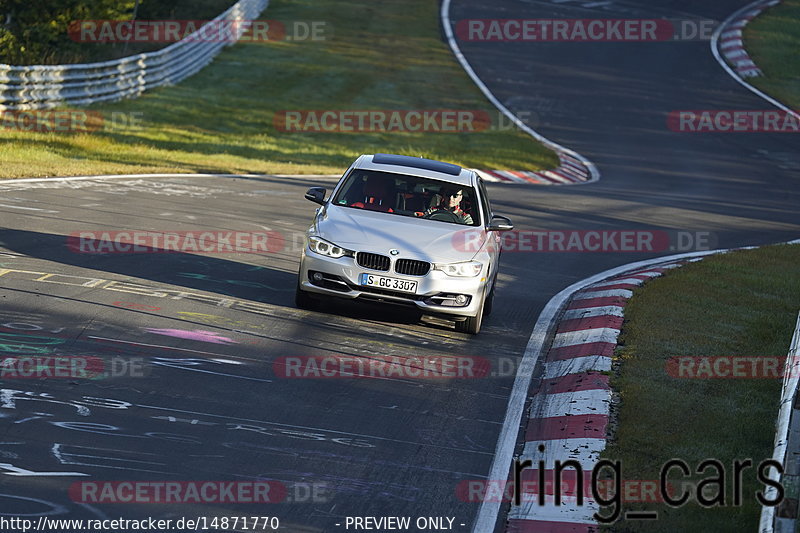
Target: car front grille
x,y
412,267
373,261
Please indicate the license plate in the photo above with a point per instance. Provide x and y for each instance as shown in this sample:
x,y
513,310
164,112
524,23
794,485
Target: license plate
x,y
392,284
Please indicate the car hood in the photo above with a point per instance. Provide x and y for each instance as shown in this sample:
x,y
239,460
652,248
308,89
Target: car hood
x,y
415,238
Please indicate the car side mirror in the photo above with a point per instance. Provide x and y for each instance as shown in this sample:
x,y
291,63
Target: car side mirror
x,y
500,223
316,195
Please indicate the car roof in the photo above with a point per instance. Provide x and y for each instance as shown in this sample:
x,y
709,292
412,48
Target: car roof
x,y
416,166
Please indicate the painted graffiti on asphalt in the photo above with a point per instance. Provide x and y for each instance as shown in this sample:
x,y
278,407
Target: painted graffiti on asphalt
x,y
84,406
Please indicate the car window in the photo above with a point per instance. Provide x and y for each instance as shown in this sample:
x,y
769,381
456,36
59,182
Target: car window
x,y
411,196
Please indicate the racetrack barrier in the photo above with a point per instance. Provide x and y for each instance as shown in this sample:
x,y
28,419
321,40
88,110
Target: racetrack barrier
x,y
49,86
787,442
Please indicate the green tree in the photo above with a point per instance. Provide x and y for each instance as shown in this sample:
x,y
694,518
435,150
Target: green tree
x,y
36,31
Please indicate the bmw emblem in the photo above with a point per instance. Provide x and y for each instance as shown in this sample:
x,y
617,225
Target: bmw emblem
x,y
394,251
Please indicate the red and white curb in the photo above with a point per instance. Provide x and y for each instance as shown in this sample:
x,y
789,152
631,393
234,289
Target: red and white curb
x,y
724,30
570,170
601,295
569,412
730,41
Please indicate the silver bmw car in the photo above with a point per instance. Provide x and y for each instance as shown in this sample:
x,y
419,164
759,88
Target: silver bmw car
x,y
405,230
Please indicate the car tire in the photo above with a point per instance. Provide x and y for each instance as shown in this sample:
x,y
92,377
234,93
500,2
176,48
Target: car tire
x,y
472,324
303,300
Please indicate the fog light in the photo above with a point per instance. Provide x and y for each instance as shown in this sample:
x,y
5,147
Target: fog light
x,y
461,299
317,276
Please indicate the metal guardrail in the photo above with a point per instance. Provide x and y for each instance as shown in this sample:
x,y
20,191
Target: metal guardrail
x,y
48,86
787,446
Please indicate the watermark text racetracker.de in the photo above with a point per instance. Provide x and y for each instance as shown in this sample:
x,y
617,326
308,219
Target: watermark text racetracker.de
x,y
149,524
210,31
381,366
68,121
584,30
733,121
174,492
617,241
382,120
262,491
141,241
732,367
467,240
69,366
679,366
397,120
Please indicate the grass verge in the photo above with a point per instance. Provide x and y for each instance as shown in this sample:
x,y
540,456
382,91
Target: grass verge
x,y
744,303
378,56
772,40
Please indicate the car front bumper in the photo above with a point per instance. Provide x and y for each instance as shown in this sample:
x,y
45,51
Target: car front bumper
x,y
341,279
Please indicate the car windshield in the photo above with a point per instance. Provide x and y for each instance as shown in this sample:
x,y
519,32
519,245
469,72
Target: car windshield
x,y
410,196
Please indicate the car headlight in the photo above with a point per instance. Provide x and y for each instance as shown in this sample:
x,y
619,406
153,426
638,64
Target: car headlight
x,y
467,269
323,247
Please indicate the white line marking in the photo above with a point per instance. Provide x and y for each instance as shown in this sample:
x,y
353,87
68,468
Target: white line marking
x,y
224,374
67,458
22,472
28,208
312,428
448,30
152,345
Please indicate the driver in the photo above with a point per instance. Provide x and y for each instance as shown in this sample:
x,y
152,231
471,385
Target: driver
x,y
451,201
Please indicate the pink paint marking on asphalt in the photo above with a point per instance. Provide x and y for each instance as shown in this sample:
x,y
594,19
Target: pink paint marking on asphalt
x,y
196,335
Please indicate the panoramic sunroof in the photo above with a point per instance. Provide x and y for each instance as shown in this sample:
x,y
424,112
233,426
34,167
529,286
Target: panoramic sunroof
x,y
417,162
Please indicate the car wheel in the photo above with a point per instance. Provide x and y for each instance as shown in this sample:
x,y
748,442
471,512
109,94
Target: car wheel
x,y
303,300
472,324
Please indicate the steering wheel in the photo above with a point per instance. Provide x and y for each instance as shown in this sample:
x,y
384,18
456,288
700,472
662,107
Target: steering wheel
x,y
444,215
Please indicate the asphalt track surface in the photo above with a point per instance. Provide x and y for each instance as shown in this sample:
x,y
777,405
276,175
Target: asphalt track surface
x,y
212,406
